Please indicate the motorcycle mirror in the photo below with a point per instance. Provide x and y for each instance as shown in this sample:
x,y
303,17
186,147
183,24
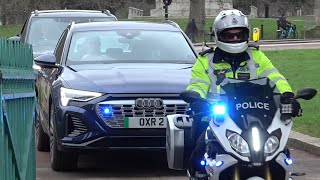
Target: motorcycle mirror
x,y
190,96
306,93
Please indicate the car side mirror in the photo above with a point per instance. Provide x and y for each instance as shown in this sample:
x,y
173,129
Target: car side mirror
x,y
46,61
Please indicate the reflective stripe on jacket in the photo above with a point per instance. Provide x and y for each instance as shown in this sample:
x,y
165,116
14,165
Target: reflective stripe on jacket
x,y
204,80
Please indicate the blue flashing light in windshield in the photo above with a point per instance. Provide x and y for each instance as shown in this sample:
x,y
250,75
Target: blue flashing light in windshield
x,y
219,109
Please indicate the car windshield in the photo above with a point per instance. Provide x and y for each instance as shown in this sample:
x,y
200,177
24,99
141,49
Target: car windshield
x,y
129,46
44,33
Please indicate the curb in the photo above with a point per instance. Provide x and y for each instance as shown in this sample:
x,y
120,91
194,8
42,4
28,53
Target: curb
x,y
304,142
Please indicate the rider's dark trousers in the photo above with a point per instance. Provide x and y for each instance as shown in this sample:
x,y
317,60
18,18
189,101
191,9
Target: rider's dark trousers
x,y
198,135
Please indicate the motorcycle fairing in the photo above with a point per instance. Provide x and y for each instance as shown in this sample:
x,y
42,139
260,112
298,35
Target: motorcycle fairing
x,y
266,120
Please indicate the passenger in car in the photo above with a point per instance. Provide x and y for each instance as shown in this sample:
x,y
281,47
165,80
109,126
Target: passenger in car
x,y
92,49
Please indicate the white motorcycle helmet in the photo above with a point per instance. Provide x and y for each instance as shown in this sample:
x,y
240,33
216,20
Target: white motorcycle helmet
x,y
228,19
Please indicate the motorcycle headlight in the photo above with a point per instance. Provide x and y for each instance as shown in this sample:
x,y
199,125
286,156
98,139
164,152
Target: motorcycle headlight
x,y
239,144
77,95
271,145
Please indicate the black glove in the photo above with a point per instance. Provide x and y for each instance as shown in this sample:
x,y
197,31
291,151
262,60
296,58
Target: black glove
x,y
200,106
289,105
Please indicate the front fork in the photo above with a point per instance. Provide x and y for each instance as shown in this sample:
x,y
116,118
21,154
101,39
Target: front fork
x,y
236,175
267,172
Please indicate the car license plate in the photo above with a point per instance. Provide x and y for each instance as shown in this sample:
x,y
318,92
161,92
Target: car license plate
x,y
145,122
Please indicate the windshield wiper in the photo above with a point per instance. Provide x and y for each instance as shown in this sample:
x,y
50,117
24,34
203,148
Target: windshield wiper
x,y
71,69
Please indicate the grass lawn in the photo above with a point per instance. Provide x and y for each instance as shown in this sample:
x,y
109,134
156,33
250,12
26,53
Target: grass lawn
x,y
10,30
301,68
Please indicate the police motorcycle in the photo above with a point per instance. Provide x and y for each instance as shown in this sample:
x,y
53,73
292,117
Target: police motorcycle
x,y
246,137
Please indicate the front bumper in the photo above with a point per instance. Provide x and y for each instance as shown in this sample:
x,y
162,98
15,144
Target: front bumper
x,y
79,127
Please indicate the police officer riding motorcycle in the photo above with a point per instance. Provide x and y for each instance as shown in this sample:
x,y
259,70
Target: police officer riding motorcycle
x,y
232,59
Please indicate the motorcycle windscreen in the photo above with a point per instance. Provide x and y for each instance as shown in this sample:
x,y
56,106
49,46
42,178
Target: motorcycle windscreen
x,y
252,105
250,101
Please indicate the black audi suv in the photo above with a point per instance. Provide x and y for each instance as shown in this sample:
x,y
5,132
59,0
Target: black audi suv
x,y
110,85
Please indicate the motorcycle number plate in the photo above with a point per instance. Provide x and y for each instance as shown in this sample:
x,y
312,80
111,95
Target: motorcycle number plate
x,y
145,122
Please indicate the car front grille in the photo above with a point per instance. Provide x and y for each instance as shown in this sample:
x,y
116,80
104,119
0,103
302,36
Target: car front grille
x,y
121,109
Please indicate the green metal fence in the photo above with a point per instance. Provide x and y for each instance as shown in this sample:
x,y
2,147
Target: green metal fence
x,y
17,80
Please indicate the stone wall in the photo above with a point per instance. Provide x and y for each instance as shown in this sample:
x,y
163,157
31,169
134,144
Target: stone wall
x,y
253,12
317,12
315,31
277,8
134,12
180,8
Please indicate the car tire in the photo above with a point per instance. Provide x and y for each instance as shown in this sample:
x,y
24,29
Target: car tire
x,y
42,139
60,161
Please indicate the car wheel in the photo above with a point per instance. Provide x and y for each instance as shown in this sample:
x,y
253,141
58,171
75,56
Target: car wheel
x,y
42,139
60,161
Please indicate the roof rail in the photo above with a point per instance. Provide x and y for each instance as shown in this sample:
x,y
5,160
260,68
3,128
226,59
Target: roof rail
x,y
72,23
171,23
36,12
106,11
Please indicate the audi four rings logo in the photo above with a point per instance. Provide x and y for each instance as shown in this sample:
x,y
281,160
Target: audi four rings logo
x,y
149,103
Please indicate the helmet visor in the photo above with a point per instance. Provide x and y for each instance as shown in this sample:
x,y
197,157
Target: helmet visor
x,y
234,35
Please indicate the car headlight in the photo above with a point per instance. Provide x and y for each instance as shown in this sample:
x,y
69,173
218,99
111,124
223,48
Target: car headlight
x,y
239,144
271,145
76,95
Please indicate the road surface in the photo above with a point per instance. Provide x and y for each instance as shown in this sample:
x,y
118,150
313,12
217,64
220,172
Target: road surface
x,y
147,166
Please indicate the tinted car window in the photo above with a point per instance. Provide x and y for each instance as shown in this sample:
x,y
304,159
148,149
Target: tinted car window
x,y
45,32
127,46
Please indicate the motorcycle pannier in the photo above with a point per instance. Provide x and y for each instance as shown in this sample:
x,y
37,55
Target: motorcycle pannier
x,y
178,142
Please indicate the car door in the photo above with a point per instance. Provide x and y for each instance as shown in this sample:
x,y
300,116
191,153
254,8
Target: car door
x,y
45,80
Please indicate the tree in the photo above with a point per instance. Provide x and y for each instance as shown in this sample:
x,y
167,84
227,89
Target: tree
x,y
197,11
117,7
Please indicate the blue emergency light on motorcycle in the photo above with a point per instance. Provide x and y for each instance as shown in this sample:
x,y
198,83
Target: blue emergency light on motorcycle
x,y
219,109
219,163
203,162
288,161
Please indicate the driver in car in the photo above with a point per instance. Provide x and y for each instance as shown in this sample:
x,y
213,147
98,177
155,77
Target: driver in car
x,y
233,59
91,49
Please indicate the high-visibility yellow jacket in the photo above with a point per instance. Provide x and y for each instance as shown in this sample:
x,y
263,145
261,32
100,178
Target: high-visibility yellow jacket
x,y
205,73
